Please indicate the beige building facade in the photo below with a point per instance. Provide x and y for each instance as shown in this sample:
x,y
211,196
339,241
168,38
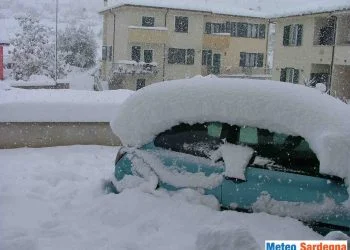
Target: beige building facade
x,y
143,45
314,48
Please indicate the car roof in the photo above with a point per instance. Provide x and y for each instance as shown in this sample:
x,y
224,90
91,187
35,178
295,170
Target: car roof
x,y
280,107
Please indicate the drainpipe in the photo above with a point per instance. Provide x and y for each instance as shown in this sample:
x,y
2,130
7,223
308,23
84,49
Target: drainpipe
x,y
113,48
267,44
333,52
164,45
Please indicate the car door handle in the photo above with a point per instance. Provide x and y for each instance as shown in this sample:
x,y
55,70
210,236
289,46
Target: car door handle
x,y
235,180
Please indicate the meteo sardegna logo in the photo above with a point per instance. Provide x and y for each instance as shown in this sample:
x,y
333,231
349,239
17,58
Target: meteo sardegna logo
x,y
306,245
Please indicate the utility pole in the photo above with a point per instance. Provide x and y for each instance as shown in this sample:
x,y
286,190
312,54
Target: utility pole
x,y
56,62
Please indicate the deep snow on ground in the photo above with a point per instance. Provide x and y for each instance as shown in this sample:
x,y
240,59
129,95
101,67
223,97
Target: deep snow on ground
x,y
51,198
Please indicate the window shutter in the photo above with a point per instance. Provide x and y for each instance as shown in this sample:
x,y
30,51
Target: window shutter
x,y
207,28
286,33
110,53
283,77
300,34
260,62
171,56
296,76
190,56
228,27
104,53
242,59
233,29
242,29
262,30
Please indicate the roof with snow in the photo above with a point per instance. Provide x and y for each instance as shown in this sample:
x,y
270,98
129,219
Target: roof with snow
x,y
280,107
253,8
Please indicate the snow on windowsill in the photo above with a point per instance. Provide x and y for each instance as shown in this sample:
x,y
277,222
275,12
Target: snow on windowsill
x,y
148,28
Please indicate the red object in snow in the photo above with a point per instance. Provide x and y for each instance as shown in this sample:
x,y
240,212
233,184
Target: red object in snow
x,y
1,63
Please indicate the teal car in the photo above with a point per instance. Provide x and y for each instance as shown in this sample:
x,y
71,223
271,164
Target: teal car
x,y
280,176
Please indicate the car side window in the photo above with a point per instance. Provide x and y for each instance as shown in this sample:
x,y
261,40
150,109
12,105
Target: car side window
x,y
197,139
289,153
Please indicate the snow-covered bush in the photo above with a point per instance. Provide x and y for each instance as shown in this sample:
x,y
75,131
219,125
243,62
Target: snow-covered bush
x,y
80,46
34,53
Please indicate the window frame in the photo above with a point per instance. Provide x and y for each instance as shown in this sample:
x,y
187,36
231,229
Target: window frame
x,y
305,162
251,60
137,48
140,83
289,74
292,35
144,55
187,56
179,25
146,23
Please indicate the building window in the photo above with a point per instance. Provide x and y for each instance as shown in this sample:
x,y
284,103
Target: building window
x,y
136,53
104,53
207,57
148,55
253,30
211,28
148,21
242,29
140,83
289,75
181,24
110,53
251,59
292,35
181,56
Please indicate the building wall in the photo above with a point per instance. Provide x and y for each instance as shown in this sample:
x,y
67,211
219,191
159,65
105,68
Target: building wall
x,y
299,57
49,134
160,40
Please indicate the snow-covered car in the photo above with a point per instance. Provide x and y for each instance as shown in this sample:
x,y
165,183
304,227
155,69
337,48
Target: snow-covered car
x,y
257,146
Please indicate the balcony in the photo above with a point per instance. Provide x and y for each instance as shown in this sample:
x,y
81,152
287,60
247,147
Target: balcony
x,y
218,41
134,68
155,35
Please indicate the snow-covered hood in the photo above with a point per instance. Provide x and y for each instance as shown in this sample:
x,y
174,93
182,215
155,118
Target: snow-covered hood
x,y
280,107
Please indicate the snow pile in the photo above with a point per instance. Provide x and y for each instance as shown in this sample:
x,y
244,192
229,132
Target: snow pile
x,y
280,107
236,159
299,210
51,199
148,165
18,105
226,238
34,80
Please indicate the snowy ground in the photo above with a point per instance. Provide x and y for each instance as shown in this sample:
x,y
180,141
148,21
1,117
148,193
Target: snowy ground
x,y
51,198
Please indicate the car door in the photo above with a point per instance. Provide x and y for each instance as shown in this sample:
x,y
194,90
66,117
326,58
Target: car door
x,y
285,180
185,149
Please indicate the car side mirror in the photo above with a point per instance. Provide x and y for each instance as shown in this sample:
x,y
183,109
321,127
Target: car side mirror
x,y
236,159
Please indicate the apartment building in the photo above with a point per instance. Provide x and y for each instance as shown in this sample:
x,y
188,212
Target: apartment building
x,y
147,44
314,48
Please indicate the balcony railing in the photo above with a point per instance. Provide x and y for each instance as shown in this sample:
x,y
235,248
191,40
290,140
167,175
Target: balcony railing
x,y
134,68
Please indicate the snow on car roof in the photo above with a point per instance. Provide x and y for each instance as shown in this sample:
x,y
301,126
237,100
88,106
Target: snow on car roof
x,y
280,107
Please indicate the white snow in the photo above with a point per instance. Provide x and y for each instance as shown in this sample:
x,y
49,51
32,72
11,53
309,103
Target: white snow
x,y
145,164
18,105
51,198
226,238
252,8
34,80
280,107
236,159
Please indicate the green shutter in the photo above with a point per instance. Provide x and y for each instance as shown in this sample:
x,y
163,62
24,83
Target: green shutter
x,y
190,57
286,33
262,30
283,77
242,59
260,62
296,76
207,28
300,34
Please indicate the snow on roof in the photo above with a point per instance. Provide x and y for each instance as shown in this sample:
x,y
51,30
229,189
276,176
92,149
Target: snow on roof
x,y
252,8
280,107
18,105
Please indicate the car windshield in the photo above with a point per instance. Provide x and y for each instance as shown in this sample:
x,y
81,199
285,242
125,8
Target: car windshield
x,y
284,152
